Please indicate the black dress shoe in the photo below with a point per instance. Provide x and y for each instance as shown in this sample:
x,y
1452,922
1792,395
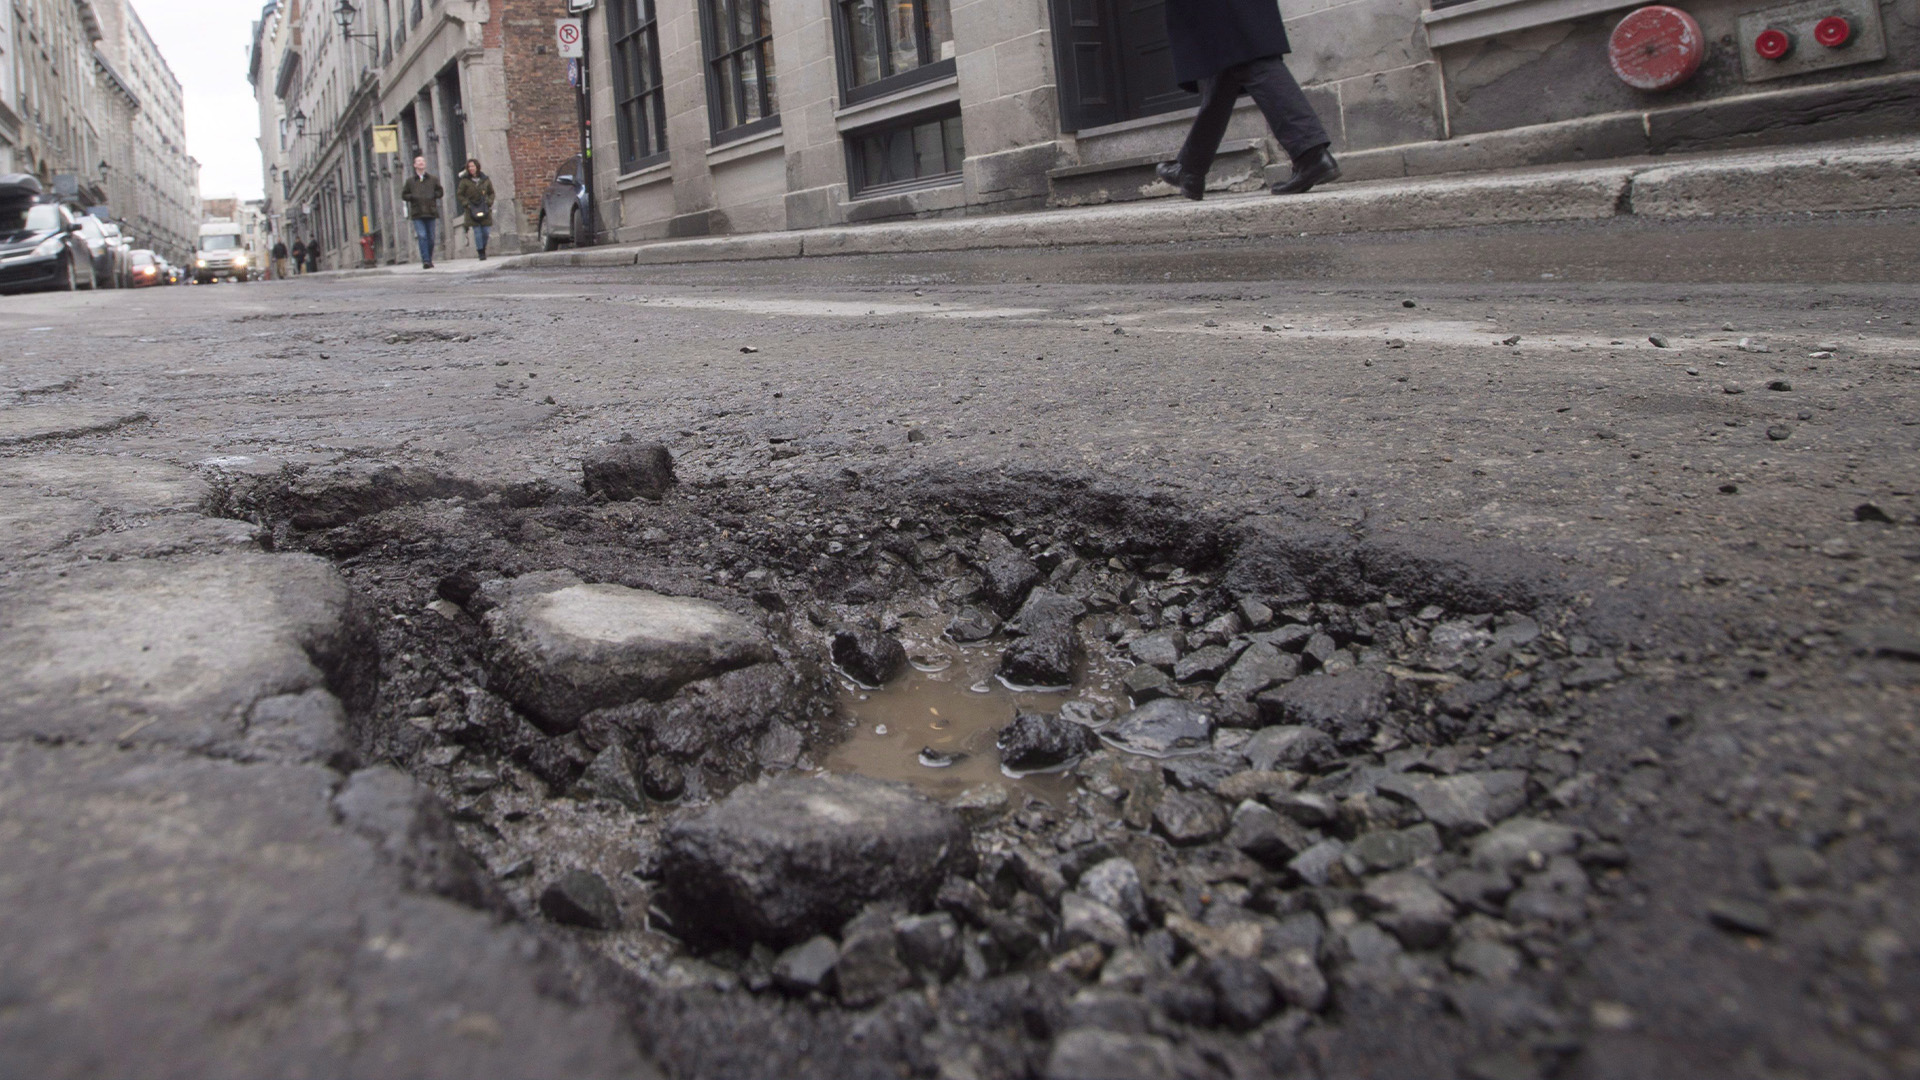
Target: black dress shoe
x,y
1193,187
1317,167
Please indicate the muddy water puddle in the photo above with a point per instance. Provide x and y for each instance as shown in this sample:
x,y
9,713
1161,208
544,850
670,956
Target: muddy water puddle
x,y
934,726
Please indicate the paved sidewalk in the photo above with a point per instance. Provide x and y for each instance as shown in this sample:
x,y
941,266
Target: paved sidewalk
x,y
1863,175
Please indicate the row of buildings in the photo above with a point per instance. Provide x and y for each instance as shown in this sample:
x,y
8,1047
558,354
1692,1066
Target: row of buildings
x,y
727,116
89,106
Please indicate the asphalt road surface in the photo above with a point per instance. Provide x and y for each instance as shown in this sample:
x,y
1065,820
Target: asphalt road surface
x,y
1707,436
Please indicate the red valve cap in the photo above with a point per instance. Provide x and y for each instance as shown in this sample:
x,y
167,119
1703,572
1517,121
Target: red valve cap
x,y
1833,31
1773,43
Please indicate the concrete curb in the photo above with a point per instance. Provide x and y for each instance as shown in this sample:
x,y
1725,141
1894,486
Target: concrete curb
x,y
1874,176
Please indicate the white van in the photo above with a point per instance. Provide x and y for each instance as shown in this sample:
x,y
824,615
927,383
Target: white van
x,y
221,253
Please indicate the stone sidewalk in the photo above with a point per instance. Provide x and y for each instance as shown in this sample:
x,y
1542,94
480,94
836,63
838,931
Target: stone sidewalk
x,y
1865,175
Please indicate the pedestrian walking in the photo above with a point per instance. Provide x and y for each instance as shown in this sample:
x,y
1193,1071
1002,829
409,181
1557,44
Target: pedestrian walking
x,y
422,194
299,255
313,256
279,254
1225,48
475,195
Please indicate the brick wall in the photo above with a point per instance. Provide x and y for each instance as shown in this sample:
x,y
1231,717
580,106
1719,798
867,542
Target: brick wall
x,y
543,127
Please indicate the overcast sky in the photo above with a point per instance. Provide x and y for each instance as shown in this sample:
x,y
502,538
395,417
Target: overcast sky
x,y
205,43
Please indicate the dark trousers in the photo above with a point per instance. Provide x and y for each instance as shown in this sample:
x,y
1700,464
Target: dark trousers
x,y
423,229
1280,98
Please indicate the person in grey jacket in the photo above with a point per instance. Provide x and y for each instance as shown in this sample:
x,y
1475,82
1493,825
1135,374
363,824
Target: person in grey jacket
x,y
422,194
1225,48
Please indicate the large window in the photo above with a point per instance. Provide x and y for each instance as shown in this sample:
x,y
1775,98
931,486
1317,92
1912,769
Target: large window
x,y
919,152
888,44
741,99
639,106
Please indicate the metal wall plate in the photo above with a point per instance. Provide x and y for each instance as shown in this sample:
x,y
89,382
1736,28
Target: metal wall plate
x,y
1798,20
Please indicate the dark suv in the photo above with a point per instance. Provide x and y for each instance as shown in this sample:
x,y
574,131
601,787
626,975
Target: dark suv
x,y
565,216
40,242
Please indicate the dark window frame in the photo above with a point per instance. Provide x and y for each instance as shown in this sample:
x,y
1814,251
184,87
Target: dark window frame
x,y
724,48
645,104
858,186
928,70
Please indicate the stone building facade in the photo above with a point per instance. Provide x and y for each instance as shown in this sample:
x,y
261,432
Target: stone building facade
x,y
720,116
88,104
450,75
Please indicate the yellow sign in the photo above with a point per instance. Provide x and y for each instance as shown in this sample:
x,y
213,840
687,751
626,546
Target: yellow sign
x,y
386,139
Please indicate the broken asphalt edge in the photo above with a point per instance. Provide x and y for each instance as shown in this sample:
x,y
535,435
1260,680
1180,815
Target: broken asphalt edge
x,y
1837,178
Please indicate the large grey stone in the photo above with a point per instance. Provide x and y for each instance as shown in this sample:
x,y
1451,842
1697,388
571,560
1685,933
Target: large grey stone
x,y
787,858
1045,646
1409,906
176,652
1523,844
1290,746
628,470
1469,803
170,916
1258,668
565,653
1348,706
1092,1054
1159,728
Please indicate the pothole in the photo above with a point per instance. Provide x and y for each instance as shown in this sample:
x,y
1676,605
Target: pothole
x,y
1264,767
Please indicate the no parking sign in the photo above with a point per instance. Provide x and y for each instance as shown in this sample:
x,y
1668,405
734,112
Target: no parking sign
x,y
572,37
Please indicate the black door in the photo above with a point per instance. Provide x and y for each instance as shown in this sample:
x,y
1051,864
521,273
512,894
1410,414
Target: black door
x,y
1114,62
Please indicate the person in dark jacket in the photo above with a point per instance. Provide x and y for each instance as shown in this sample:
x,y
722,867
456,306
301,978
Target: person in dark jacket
x,y
299,255
422,194
279,255
1225,48
313,255
475,195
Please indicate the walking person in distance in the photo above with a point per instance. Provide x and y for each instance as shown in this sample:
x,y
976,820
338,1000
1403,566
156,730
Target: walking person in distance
x,y
279,255
475,195
1225,48
299,255
313,255
422,194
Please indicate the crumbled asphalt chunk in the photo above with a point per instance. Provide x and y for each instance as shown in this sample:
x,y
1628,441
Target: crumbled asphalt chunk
x,y
611,775
1113,1055
1265,835
1555,895
869,655
1115,883
1793,866
1145,683
1409,907
1161,649
930,945
1083,919
1291,747
1007,573
1259,666
629,470
1468,803
581,898
1185,818
1043,741
1162,727
1045,646
805,967
869,967
1740,916
1204,663
1493,961
1391,849
1349,707
1523,844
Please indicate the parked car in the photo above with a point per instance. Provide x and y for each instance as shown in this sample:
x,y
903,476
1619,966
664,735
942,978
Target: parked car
x,y
40,242
564,210
112,229
147,269
107,256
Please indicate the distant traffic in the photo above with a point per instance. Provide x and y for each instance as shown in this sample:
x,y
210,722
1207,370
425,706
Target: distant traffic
x,y
46,244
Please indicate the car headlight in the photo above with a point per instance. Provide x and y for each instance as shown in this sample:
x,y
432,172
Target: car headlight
x,y
239,260
201,263
50,246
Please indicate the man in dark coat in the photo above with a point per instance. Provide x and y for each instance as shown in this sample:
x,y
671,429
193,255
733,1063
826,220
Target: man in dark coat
x,y
1225,48
422,194
299,255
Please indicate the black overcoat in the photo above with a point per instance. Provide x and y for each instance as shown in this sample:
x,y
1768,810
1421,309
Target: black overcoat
x,y
1209,36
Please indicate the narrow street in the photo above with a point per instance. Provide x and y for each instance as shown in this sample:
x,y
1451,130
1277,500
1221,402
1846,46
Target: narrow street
x,y
1622,519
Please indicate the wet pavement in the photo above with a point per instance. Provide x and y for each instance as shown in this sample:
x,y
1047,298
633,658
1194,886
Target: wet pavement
x,y
1684,454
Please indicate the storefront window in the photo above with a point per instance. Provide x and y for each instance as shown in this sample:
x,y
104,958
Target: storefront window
x,y
639,106
888,44
741,98
919,151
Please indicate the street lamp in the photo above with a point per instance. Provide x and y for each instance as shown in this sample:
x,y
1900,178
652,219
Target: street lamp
x,y
300,122
345,13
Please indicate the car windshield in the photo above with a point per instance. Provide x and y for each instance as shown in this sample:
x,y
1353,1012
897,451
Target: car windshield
x,y
28,217
143,258
219,242
91,228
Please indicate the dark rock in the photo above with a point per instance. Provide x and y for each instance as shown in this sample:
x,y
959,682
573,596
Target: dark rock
x,y
1872,513
1258,668
1349,706
1006,573
410,827
1091,1053
611,776
1740,916
1201,771
1296,975
629,470
1160,649
869,967
1523,844
805,967
1146,684
1183,1000
1185,818
1320,649
1290,638
1467,803
1556,895
1206,663
1515,632
1045,646
1309,808
973,624
1265,835
872,658
1254,613
1482,890
1391,849
1592,673
1315,865
1790,865
1116,883
963,898
1108,1010
1410,908
1041,741
1163,727
1037,874
1242,994
784,859
1291,747
1083,919
581,898
1257,784
930,945
662,779
1470,697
